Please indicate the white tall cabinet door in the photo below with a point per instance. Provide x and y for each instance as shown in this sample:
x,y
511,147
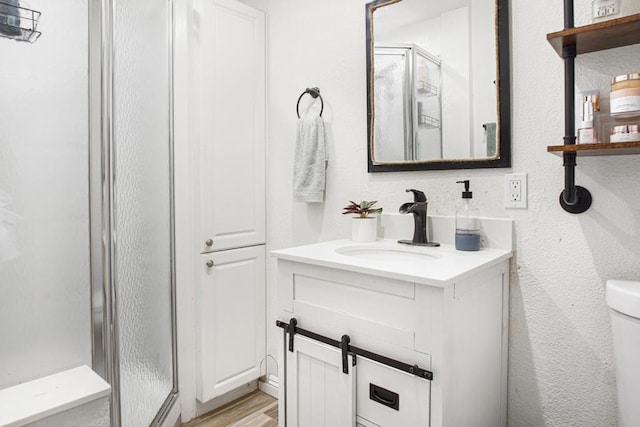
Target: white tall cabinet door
x,y
230,64
231,320
319,394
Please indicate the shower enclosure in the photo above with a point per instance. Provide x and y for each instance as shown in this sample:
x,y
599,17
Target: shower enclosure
x,y
86,202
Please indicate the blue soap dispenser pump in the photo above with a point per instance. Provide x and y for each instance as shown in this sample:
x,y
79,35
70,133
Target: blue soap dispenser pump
x,y
467,224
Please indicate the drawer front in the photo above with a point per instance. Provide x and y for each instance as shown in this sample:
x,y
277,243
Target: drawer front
x,y
399,313
387,397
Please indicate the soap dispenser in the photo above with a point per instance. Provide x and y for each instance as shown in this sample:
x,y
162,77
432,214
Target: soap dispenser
x,y
467,225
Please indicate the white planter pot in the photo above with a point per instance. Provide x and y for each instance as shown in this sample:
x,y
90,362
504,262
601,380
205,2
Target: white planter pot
x,y
364,229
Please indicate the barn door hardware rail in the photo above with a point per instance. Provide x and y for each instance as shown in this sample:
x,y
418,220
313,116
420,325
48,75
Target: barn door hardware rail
x,y
344,345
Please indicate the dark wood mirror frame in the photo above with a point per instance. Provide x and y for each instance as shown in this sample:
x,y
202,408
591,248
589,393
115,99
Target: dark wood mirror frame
x,y
503,157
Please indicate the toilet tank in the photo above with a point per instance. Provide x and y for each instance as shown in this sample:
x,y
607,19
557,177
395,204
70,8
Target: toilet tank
x,y
623,297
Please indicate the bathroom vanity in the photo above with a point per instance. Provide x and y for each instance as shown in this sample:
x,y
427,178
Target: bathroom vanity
x,y
441,312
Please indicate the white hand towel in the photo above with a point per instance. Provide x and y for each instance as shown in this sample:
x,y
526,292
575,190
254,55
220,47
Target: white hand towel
x,y
310,162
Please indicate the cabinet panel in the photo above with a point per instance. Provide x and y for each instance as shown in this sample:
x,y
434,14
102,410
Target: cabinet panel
x,y
230,320
477,327
319,394
231,128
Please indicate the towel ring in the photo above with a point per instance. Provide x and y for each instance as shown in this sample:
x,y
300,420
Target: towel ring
x,y
315,93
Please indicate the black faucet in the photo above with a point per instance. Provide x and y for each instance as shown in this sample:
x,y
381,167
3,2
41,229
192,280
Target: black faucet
x,y
419,210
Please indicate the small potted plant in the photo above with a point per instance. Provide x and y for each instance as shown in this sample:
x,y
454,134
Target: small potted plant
x,y
363,225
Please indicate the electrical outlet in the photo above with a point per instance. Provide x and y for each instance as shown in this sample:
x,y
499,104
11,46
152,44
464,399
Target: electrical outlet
x,y
514,187
515,190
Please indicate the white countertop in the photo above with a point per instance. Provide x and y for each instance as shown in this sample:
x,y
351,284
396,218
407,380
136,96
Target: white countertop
x,y
442,268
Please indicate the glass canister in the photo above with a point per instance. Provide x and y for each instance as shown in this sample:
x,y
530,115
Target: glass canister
x,y
625,95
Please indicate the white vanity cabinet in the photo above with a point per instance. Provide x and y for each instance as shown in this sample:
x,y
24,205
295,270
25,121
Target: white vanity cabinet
x,y
452,322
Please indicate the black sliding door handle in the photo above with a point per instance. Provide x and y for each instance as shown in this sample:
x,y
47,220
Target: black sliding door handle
x,y
384,397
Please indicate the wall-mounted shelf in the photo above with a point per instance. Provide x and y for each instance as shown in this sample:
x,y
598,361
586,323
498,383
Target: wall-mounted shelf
x,y
426,88
569,43
428,122
600,36
603,149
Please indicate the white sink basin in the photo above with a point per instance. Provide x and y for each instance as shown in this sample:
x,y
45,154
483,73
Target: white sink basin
x,y
388,253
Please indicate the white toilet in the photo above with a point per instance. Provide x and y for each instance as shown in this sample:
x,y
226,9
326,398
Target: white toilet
x,y
623,297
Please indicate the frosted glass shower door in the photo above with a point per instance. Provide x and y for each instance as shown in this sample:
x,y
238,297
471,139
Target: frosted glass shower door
x,y
392,107
142,207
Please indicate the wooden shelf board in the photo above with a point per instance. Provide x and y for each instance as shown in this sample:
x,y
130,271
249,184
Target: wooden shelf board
x,y
619,32
601,149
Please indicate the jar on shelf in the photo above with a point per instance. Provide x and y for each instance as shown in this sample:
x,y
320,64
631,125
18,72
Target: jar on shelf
x,y
625,133
625,95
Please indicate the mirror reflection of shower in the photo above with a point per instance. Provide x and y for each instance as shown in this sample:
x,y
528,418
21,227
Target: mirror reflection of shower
x,y
407,103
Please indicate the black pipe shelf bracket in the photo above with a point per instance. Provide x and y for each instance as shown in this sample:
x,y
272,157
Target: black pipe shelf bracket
x,y
574,198
346,348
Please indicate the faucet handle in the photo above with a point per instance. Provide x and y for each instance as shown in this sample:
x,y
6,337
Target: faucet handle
x,y
418,196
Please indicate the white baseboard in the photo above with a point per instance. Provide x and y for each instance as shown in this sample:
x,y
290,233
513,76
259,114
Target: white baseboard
x,y
219,401
270,386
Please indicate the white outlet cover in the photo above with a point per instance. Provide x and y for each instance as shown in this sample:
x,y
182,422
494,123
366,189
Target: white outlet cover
x,y
515,204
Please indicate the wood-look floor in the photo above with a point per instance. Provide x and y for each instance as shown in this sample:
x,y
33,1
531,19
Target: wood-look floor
x,y
256,409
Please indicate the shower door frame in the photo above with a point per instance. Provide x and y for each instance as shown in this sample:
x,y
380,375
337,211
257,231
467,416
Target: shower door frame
x,y
104,308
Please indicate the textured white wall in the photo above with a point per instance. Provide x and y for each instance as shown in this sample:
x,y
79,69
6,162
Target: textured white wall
x,y
44,292
560,368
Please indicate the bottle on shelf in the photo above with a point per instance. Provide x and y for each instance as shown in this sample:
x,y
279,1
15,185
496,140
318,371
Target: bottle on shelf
x,y
590,105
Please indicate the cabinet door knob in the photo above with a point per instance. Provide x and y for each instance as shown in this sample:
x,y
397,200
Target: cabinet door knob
x,y
209,242
210,263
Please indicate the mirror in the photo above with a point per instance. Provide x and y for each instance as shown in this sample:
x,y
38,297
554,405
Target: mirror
x,y
438,84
